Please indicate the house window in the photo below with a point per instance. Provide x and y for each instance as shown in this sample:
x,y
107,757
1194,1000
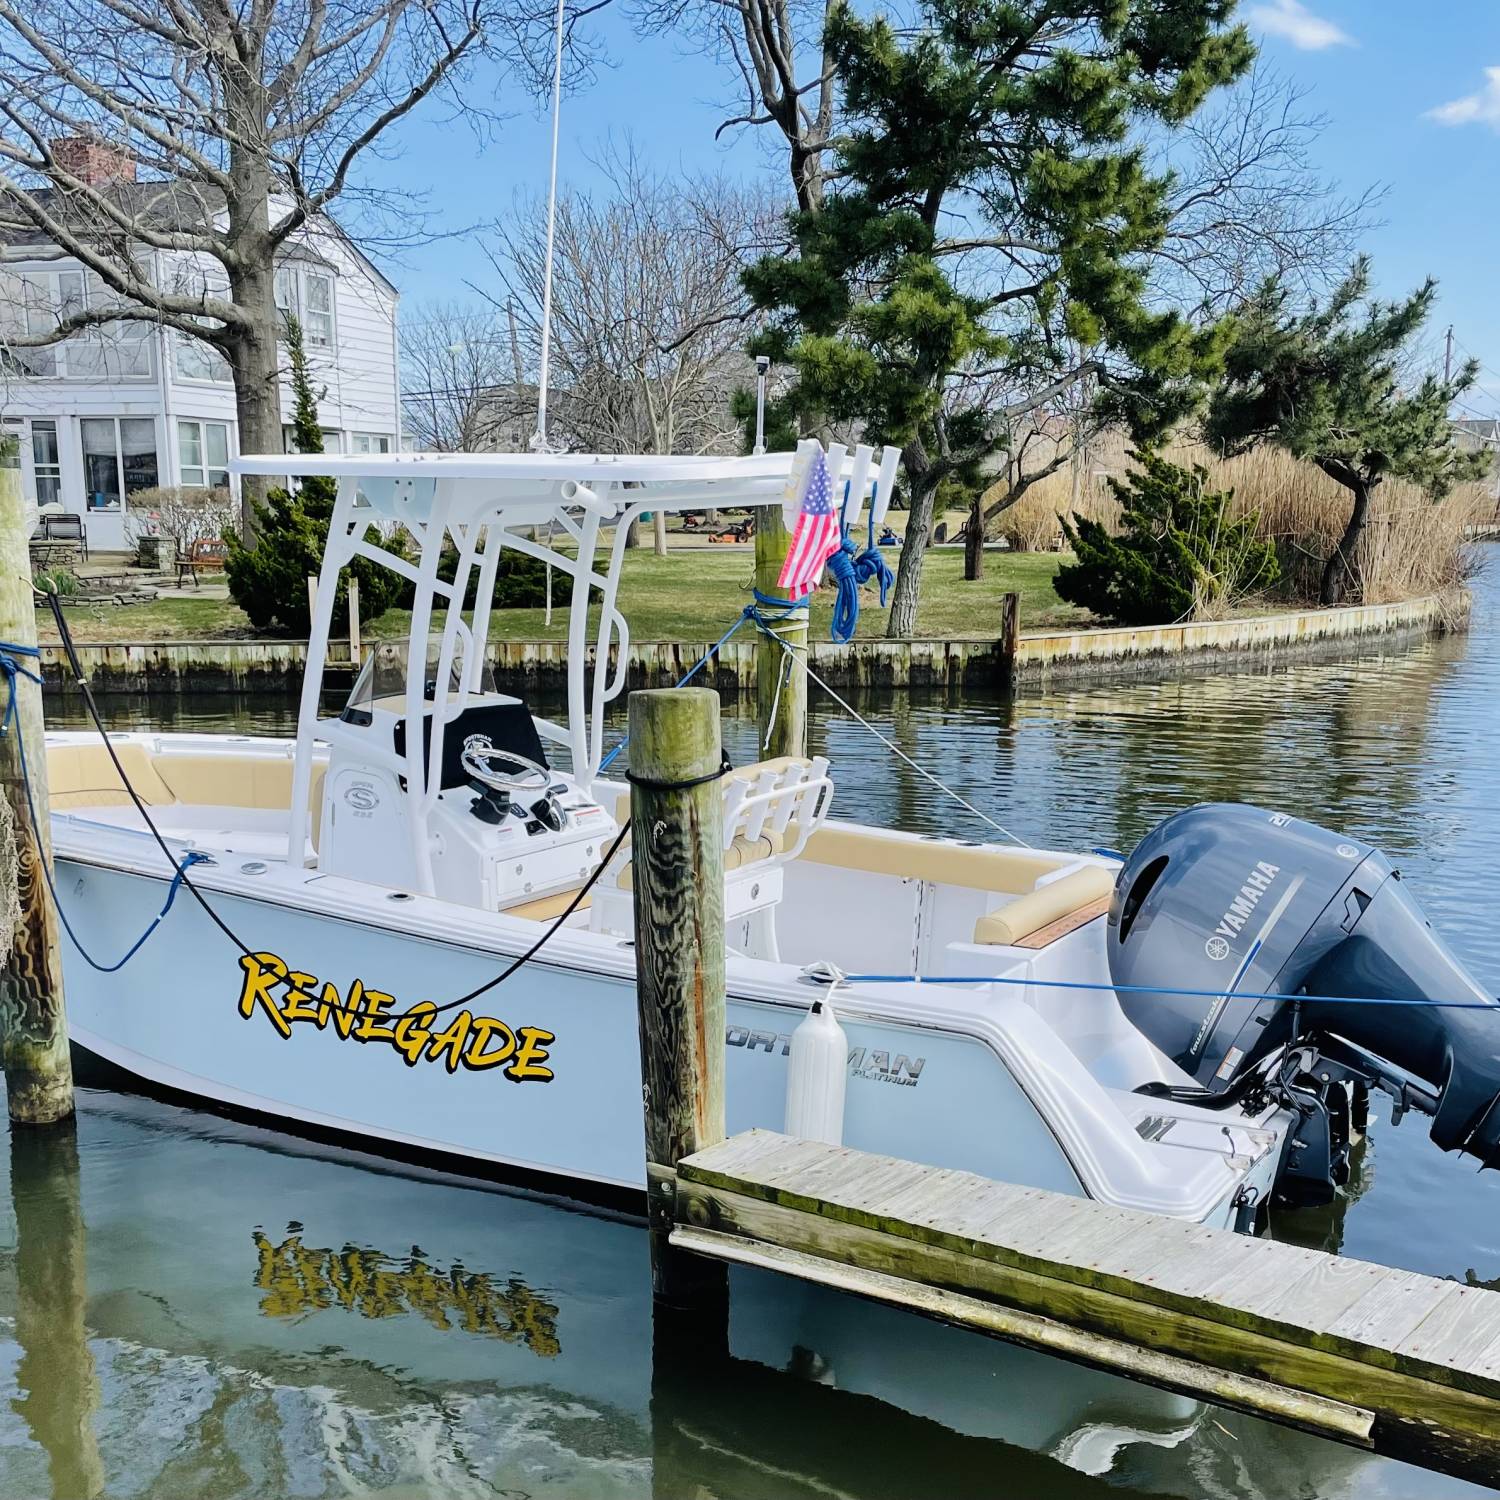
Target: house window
x,y
307,295
203,454
26,308
317,309
46,462
199,361
119,458
333,441
286,293
370,442
34,302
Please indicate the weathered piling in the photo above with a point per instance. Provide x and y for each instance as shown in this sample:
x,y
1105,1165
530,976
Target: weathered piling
x,y
677,875
33,1030
1010,635
780,675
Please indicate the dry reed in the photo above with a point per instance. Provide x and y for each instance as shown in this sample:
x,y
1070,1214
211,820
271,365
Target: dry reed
x,y
1412,546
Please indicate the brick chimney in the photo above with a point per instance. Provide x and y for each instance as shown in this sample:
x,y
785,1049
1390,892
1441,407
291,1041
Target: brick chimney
x,y
93,161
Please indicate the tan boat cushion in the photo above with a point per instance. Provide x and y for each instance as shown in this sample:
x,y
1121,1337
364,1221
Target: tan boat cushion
x,y
229,780
548,908
1026,914
977,869
314,804
85,776
740,853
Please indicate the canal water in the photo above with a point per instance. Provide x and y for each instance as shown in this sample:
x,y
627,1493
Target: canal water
x,y
195,1309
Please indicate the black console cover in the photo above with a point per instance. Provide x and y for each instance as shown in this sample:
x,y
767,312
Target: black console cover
x,y
508,726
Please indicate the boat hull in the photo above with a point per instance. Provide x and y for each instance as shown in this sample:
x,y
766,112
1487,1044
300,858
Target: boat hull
x,y
538,1077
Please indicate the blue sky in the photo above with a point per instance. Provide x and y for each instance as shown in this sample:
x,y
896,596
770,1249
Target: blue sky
x,y
1411,93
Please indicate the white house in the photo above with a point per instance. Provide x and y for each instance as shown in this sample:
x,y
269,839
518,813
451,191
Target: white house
x,y
132,406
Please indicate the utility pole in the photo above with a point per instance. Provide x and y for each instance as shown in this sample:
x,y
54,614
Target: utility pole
x,y
33,1028
1448,356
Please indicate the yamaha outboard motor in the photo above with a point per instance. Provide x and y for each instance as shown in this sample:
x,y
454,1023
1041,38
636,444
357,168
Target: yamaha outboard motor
x,y
1236,903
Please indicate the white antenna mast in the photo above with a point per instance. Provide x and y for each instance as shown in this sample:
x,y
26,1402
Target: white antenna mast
x,y
539,437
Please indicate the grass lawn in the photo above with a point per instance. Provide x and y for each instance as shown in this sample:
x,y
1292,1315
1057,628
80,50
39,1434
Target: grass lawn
x,y
171,619
689,595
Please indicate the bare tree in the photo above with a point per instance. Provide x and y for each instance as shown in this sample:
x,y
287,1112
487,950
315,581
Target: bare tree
x,y
782,69
647,307
1249,203
461,389
234,127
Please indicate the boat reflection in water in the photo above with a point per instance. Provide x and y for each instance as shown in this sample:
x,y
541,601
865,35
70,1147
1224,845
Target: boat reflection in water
x,y
245,1316
296,1279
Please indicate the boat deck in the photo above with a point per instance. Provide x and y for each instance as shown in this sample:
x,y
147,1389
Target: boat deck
x,y
1407,1364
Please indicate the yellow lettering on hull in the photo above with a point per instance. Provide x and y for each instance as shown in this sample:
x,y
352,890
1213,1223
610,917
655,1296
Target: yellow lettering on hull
x,y
420,1033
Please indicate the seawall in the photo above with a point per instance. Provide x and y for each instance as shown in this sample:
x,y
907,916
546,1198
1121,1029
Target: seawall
x,y
1044,656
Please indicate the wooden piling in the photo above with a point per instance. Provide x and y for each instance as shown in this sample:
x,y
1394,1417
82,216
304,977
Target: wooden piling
x,y
33,1029
677,875
1010,635
354,642
780,695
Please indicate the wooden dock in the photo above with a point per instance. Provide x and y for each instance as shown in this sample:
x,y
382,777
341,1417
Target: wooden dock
x,y
1403,1364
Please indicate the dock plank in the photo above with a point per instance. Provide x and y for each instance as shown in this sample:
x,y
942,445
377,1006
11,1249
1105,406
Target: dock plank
x,y
1387,1313
1455,1332
1344,1327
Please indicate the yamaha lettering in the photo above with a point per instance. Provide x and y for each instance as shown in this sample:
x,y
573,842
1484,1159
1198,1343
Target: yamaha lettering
x,y
1257,883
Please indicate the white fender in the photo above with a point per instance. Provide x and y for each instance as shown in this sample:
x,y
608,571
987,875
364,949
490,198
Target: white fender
x,y
815,1076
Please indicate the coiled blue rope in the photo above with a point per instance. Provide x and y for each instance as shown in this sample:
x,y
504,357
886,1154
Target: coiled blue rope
x,y
12,656
851,570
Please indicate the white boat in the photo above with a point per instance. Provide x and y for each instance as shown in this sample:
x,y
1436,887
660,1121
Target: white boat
x,y
381,878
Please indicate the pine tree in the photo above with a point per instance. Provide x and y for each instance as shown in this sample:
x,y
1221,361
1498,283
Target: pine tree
x,y
1324,383
1178,552
1013,120
268,580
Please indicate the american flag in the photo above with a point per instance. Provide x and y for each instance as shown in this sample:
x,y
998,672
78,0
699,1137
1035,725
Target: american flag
x,y
817,535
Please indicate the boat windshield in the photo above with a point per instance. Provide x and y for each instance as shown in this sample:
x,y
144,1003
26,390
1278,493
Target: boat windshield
x,y
382,679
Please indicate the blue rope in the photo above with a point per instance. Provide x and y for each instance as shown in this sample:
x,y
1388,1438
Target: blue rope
x,y
850,570
688,676
770,601
1162,989
12,668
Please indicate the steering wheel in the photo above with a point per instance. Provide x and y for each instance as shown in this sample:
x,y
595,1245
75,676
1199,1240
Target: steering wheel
x,y
477,759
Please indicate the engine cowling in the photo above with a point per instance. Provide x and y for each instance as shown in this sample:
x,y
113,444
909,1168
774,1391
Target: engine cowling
x,y
1240,904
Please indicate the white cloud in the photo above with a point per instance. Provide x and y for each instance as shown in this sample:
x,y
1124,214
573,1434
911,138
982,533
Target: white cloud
x,y
1293,21
1481,108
